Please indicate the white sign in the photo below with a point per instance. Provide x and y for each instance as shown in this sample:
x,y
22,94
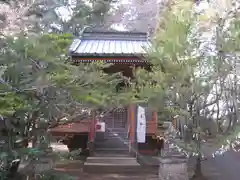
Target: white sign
x,y
141,125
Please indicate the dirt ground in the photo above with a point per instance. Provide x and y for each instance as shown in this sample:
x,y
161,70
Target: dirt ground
x,y
84,176
75,169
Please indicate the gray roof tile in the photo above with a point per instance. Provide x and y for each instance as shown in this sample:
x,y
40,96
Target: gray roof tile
x,y
110,43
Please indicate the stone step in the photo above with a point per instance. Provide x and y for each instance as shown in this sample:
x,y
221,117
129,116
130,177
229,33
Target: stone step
x,y
111,159
112,150
111,146
115,136
113,141
110,154
116,130
114,164
112,138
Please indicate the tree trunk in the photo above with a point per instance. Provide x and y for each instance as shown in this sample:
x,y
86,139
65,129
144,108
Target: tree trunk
x,y
198,175
34,119
10,140
198,169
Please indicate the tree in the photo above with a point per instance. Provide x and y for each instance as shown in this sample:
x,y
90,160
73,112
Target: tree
x,y
51,16
47,77
188,80
40,86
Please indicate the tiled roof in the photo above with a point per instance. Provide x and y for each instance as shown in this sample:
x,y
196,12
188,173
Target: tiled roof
x,y
75,127
110,43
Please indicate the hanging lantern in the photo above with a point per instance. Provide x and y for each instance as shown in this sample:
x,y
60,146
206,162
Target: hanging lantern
x,y
100,127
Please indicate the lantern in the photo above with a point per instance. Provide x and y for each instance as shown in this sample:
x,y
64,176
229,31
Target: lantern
x,y
100,127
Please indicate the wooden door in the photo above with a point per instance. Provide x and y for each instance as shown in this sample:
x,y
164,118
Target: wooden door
x,y
116,118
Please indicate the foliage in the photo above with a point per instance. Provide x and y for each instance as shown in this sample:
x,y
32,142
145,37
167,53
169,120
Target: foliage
x,y
194,75
168,48
52,16
55,176
73,155
188,81
40,86
42,65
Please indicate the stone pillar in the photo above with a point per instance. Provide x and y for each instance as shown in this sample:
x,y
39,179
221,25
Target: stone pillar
x,y
44,164
172,168
90,147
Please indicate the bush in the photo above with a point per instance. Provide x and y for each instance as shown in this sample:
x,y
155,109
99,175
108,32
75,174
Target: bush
x,y
53,175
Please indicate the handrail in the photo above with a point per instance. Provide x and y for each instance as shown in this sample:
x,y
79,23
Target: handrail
x,y
128,132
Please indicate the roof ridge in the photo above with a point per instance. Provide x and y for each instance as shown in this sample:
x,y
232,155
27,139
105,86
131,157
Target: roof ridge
x,y
114,31
130,36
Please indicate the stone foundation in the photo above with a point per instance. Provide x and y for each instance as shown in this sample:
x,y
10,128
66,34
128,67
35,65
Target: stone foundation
x,y
173,169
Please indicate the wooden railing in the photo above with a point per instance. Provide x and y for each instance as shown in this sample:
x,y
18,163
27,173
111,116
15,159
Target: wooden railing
x,y
152,127
152,124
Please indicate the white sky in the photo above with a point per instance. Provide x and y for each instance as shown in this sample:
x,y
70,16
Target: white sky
x,y
118,27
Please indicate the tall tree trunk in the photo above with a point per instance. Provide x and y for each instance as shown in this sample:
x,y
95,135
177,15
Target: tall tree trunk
x,y
34,118
198,169
198,175
10,140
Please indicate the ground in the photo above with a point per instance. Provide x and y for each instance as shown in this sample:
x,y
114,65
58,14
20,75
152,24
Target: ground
x,y
84,176
221,168
74,168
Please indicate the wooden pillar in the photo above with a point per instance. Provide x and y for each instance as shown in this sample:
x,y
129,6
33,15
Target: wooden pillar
x,y
132,129
92,133
155,120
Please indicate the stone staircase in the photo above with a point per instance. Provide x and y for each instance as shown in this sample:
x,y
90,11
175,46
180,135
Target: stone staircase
x,y
112,165
114,141
112,154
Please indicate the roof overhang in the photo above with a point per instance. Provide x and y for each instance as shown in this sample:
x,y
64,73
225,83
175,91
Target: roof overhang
x,y
110,59
75,127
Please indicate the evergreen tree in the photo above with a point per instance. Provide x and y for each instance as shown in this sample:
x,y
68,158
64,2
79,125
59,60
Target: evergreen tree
x,y
39,86
53,16
185,81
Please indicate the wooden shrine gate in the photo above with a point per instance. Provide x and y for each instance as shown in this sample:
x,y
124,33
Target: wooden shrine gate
x,y
116,118
115,138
